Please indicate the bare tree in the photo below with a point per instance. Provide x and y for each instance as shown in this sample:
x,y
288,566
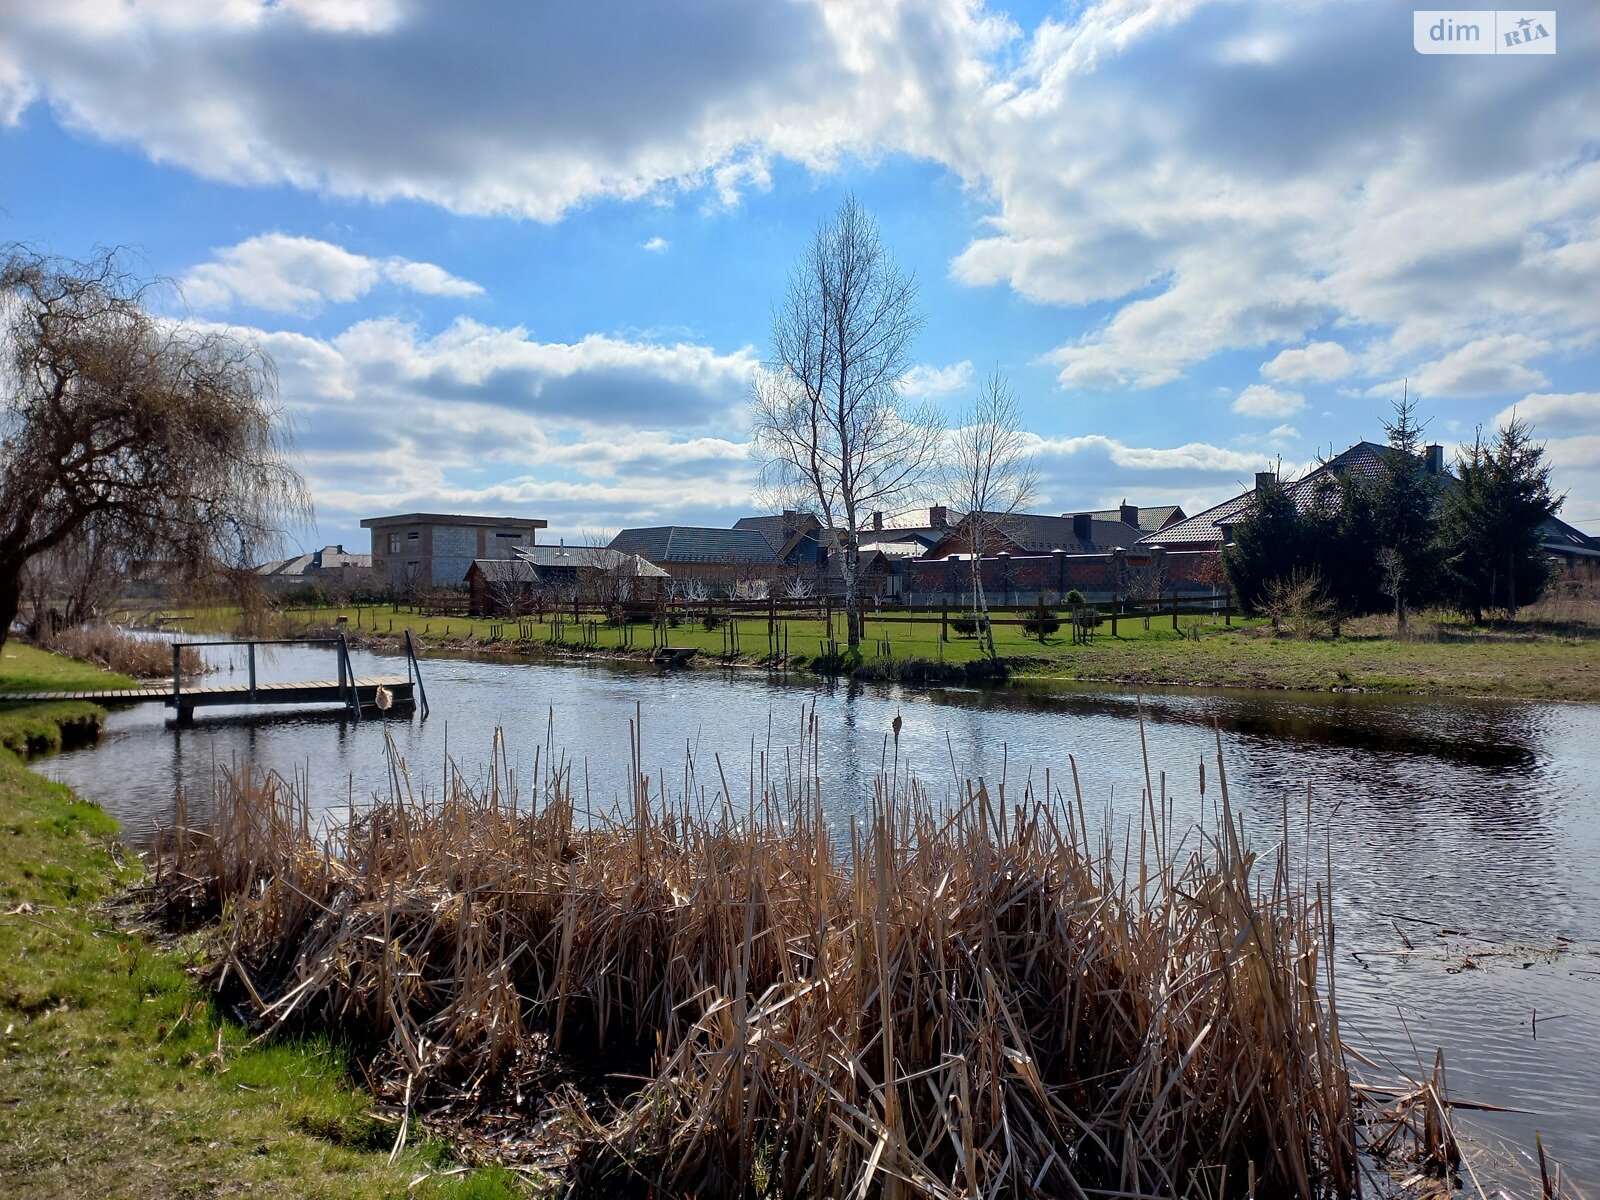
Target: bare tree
x,y
161,436
990,473
75,581
830,422
1145,583
509,588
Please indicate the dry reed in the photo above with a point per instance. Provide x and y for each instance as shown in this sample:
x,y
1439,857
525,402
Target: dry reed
x,y
117,650
702,996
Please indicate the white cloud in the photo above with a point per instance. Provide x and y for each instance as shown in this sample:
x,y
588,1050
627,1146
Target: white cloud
x,y
1238,176
597,431
1263,400
1491,366
1555,413
656,245
1212,176
280,273
928,383
1315,362
1283,433
393,100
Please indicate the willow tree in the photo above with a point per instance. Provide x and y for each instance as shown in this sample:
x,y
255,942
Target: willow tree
x,y
831,423
163,438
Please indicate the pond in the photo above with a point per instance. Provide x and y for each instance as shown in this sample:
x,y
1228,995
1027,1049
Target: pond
x,y
1470,829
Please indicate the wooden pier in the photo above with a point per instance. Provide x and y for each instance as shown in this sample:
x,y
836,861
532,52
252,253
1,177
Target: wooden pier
x,y
359,696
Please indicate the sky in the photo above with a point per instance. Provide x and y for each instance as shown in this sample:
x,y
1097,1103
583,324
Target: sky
x,y
521,259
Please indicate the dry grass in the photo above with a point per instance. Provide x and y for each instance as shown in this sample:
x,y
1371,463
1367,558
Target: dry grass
x,y
115,649
709,997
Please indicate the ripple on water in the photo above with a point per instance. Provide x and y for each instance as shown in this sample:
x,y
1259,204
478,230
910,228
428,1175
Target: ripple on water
x,y
1476,816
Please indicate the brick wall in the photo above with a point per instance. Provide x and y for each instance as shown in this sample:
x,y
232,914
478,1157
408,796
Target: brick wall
x,y
1035,578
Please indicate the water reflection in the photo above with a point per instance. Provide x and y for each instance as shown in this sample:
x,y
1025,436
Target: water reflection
x,y
1477,816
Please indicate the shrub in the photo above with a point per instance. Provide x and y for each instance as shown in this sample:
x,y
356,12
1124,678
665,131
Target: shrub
x,y
968,625
1299,604
1041,624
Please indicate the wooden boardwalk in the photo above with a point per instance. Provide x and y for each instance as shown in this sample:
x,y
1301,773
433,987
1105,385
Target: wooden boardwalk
x,y
354,694
313,691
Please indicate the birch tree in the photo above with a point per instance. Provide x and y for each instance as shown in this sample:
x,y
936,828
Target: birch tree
x,y
831,425
989,472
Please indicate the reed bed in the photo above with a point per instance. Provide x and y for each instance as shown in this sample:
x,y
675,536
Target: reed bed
x,y
116,649
971,996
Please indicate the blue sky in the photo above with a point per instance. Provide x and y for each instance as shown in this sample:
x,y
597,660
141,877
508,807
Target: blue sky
x,y
520,258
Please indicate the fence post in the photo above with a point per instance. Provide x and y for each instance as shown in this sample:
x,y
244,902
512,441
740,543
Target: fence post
x,y
252,649
944,628
177,679
1174,606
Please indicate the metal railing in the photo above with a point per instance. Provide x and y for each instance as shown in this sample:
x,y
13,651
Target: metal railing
x,y
346,685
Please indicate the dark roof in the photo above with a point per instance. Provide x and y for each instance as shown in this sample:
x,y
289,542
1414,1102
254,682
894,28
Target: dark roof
x,y
1150,519
690,543
1363,460
454,519
1035,533
785,532
1560,538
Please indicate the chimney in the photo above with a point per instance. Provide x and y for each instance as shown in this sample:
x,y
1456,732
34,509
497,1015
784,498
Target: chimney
x,y
1130,514
1083,527
1433,460
1265,479
877,522
938,516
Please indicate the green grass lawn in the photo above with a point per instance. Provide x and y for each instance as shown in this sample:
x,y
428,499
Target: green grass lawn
x,y
117,1076
1451,658
26,669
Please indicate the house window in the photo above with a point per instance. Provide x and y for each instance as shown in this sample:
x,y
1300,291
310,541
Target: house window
x,y
510,537
412,536
394,543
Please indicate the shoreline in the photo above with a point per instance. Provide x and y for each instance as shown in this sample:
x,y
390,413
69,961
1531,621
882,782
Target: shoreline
x,y
1482,669
122,1074
353,1130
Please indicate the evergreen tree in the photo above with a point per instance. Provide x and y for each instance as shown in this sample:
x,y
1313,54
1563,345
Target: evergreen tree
x,y
1267,545
1406,503
1489,525
1342,544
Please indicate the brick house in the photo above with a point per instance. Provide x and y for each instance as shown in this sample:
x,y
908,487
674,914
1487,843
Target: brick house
x,y
423,550
1212,529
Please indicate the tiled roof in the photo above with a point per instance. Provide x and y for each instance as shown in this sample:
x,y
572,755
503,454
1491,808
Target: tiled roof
x,y
1150,519
1364,460
689,543
1039,534
329,558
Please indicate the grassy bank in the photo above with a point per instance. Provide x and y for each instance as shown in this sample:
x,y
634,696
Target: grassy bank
x,y
118,1075
1531,658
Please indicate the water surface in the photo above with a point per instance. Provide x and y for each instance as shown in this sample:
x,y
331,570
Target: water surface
x,y
1471,826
